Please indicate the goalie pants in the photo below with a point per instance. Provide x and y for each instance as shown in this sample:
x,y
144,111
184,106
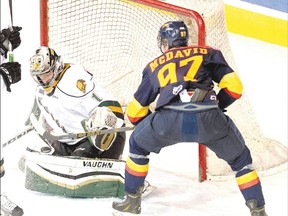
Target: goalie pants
x,y
211,128
84,148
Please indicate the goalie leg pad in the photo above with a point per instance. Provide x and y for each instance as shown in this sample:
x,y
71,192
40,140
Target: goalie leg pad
x,y
75,176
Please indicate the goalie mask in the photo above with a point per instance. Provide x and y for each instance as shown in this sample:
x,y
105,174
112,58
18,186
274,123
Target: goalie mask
x,y
45,68
173,34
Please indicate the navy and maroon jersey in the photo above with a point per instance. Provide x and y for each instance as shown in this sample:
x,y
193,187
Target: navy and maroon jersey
x,y
183,68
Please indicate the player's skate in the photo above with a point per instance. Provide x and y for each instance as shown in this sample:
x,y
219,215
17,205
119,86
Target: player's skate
x,y
254,210
130,204
8,208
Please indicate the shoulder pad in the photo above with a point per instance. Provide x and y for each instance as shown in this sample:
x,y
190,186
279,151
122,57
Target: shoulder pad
x,y
76,82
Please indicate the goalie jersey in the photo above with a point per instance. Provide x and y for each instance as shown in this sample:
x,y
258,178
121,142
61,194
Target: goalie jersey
x,y
74,98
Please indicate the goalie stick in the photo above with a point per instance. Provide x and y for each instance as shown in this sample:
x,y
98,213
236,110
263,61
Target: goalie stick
x,y
18,136
36,112
49,136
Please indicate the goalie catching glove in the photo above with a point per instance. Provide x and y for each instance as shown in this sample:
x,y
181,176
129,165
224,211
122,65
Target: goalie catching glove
x,y
102,118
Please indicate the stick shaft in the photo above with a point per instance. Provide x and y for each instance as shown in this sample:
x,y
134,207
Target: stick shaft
x,y
18,136
11,11
49,136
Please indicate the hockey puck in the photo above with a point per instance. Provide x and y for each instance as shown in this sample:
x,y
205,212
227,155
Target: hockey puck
x,y
45,149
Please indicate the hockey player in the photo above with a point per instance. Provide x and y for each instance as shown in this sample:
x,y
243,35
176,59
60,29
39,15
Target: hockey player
x,y
10,71
187,110
71,101
10,74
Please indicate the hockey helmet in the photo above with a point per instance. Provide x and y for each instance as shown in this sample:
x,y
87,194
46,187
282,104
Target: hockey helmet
x,y
173,34
45,68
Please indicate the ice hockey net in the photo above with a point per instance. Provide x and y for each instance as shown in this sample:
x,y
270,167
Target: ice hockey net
x,y
115,39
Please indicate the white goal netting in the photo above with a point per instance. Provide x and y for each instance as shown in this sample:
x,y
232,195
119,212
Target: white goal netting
x,y
115,39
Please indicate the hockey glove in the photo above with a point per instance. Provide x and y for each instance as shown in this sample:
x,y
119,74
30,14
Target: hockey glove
x,y
11,35
11,73
101,118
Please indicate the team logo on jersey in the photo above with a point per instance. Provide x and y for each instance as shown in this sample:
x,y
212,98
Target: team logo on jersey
x,y
81,85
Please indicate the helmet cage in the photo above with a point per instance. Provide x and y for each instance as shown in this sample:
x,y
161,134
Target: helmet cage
x,y
45,61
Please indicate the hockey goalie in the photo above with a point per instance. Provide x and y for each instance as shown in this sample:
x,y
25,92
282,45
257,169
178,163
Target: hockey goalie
x,y
69,101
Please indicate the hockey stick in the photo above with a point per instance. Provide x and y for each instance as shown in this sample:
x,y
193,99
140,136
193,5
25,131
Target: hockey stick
x,y
10,49
49,136
36,112
18,136
11,11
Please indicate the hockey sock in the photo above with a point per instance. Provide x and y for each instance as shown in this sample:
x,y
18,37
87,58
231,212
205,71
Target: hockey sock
x,y
250,185
135,173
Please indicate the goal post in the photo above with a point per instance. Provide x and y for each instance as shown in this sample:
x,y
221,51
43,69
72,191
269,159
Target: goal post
x,y
115,39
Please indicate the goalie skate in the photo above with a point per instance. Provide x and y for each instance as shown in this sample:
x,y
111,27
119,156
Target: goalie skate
x,y
8,208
